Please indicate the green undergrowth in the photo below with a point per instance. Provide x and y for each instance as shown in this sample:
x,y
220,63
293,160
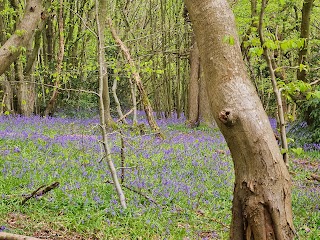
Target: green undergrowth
x,y
184,185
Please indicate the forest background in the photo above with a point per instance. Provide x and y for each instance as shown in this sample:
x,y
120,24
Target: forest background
x,y
59,66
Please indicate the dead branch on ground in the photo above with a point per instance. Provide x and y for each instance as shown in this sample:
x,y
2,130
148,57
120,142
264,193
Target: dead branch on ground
x,y
40,191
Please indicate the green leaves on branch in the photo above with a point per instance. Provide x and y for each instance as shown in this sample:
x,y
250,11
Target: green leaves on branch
x,y
20,32
297,151
298,90
14,49
290,44
229,40
285,45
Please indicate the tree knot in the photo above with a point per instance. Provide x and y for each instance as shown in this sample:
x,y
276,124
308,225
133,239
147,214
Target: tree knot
x,y
227,117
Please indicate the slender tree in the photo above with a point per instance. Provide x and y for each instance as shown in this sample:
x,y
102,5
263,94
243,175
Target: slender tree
x,y
262,193
103,123
277,92
145,100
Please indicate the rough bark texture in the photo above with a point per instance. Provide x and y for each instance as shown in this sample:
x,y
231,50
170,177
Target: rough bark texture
x,y
262,193
34,13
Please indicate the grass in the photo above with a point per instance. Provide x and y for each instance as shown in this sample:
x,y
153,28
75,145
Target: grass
x,y
189,175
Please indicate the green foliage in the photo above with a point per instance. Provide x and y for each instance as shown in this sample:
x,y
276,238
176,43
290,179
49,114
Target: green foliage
x,y
298,151
20,33
229,40
290,44
296,88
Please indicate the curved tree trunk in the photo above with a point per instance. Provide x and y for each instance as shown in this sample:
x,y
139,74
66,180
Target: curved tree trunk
x,y
9,52
262,193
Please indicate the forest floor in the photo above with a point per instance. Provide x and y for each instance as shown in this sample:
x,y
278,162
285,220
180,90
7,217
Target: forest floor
x,y
177,188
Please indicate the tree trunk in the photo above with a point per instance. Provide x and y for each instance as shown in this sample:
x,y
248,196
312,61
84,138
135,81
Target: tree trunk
x,y
204,105
303,53
51,104
116,100
305,32
194,83
102,15
103,124
262,193
9,52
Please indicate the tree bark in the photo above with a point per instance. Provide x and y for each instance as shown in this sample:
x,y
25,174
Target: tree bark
x,y
204,105
102,18
194,83
262,192
103,124
305,32
9,52
51,104
116,99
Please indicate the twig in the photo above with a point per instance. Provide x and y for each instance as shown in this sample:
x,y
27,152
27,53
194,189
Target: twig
x,y
314,82
125,115
59,88
11,236
38,193
122,158
221,223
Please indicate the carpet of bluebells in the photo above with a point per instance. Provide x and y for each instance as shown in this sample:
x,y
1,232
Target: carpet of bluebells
x,y
177,188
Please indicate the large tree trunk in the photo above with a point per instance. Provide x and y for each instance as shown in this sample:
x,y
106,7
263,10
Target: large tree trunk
x,y
262,193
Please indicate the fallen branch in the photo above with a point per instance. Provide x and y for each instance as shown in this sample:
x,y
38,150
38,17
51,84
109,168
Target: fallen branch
x,y
315,177
38,193
11,236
